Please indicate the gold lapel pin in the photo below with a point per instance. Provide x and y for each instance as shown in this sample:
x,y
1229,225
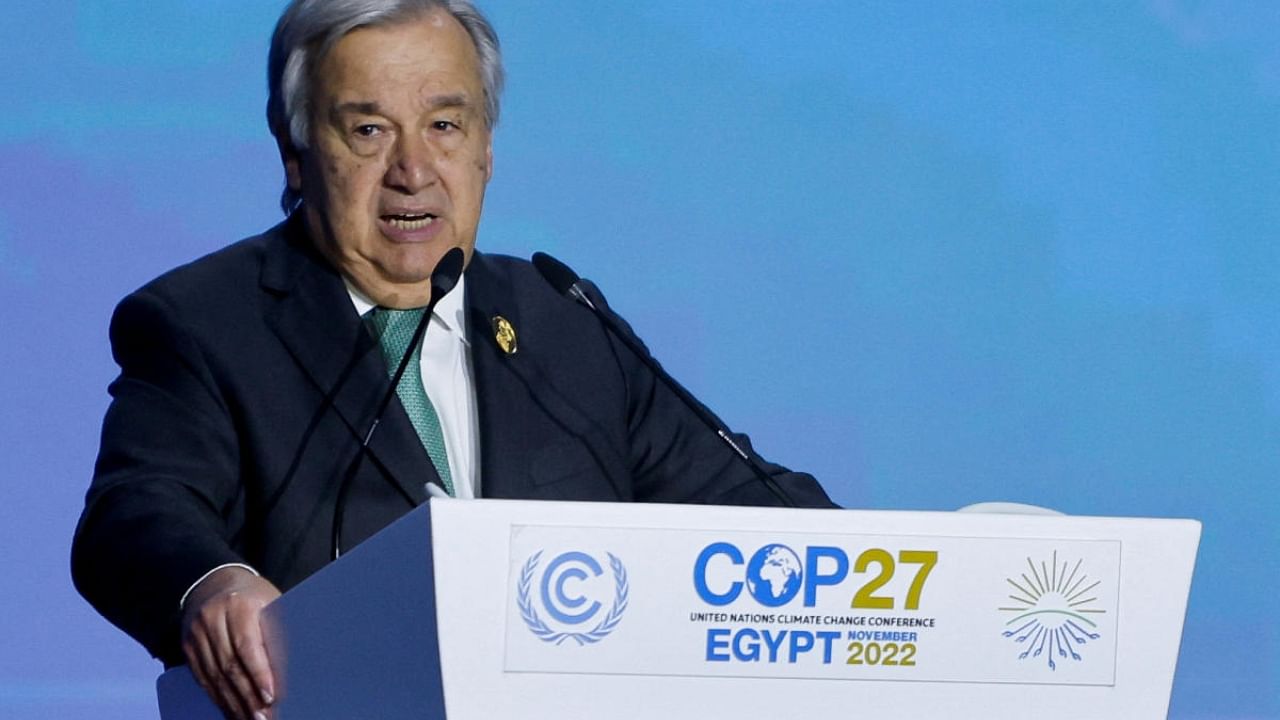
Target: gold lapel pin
x,y
505,335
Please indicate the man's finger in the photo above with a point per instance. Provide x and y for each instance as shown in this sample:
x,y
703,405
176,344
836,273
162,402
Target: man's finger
x,y
199,659
244,624
205,666
236,685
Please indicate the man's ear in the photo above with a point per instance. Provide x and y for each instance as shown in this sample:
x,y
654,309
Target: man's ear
x,y
488,160
292,161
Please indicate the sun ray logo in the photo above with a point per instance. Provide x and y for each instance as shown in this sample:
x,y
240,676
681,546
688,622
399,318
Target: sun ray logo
x,y
570,592
1051,611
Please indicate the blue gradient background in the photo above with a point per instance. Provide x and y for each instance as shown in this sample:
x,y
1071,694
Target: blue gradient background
x,y
935,253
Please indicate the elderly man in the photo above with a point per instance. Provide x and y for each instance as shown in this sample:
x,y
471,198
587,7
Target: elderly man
x,y
249,378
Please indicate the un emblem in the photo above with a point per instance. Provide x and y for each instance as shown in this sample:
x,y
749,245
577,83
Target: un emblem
x,y
565,592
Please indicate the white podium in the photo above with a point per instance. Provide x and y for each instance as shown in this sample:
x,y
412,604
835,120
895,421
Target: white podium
x,y
489,608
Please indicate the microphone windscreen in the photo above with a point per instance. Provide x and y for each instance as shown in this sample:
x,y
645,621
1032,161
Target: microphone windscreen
x,y
446,274
555,272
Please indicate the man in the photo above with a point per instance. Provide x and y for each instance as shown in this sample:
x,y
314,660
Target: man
x,y
249,377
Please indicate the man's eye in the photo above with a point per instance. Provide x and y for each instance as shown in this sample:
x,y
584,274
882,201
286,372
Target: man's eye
x,y
367,130
443,125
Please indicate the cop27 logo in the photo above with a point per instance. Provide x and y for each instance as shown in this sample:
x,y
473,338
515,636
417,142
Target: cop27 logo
x,y
775,575
569,590
1052,612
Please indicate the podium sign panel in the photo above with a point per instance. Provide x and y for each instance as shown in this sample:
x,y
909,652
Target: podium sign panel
x,y
823,606
694,612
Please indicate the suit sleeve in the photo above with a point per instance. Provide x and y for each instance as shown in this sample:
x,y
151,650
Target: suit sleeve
x,y
675,457
165,481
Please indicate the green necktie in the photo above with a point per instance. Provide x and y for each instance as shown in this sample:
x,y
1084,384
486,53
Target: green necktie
x,y
395,329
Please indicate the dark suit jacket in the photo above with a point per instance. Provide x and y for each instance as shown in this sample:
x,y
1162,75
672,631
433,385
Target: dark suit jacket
x,y
247,381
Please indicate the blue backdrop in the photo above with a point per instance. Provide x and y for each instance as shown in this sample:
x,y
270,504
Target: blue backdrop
x,y
935,253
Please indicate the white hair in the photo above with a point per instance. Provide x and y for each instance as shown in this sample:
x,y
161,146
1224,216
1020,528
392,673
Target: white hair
x,y
309,28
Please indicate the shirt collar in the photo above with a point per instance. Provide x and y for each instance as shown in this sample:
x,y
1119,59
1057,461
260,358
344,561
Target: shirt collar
x,y
450,312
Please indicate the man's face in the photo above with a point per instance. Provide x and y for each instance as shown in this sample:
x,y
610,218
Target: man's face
x,y
399,155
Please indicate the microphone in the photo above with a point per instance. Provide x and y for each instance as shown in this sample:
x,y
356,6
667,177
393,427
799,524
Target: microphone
x,y
563,279
566,282
443,279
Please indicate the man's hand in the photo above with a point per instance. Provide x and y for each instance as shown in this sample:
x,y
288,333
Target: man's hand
x,y
223,641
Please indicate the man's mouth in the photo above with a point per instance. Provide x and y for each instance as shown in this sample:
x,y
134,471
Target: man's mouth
x,y
409,221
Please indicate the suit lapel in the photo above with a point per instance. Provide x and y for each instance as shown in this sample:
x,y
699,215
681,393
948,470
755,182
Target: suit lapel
x,y
311,312
497,381
513,395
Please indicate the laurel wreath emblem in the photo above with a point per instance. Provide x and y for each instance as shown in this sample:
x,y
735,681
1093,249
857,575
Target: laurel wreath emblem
x,y
602,629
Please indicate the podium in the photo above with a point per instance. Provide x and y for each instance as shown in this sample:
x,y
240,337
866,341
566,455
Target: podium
x,y
533,609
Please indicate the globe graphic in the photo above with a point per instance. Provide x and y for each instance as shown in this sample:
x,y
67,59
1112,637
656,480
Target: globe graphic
x,y
773,575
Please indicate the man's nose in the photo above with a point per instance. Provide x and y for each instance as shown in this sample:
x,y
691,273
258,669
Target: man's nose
x,y
412,164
